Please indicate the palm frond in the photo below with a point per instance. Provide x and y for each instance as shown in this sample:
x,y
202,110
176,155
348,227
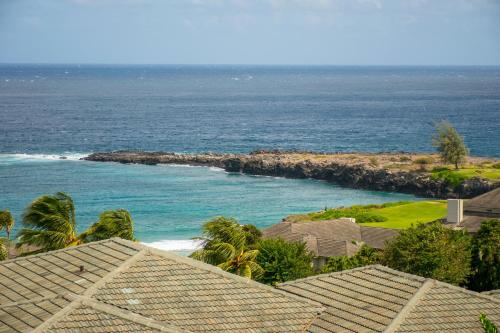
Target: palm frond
x,y
112,223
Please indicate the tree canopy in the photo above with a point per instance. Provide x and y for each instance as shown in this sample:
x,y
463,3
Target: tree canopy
x,y
230,246
366,255
283,261
450,144
49,223
486,257
431,250
6,222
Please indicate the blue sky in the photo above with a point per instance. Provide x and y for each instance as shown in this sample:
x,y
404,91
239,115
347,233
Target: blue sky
x,y
338,32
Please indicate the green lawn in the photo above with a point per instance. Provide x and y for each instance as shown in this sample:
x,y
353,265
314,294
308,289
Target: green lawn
x,y
489,173
398,215
456,177
401,217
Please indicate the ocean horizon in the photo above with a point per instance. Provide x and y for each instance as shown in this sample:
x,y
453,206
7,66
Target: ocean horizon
x,y
53,111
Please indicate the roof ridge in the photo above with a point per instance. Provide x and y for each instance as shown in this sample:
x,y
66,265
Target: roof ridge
x,y
467,291
33,300
124,265
362,268
114,239
216,270
129,315
410,304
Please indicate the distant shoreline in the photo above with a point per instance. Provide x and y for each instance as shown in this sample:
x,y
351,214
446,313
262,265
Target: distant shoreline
x,y
391,172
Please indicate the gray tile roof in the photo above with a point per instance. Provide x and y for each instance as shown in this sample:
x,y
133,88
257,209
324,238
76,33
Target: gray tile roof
x,y
127,287
379,299
331,237
485,204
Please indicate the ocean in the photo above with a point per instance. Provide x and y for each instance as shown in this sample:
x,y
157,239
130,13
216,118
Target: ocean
x,y
49,111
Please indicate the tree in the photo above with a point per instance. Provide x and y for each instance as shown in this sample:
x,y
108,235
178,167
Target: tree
x,y
283,261
50,224
431,250
6,222
486,257
112,223
449,144
230,246
4,252
366,255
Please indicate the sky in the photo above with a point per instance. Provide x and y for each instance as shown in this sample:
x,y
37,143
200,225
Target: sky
x,y
285,32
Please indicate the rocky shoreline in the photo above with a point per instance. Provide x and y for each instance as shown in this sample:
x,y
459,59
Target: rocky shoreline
x,y
349,170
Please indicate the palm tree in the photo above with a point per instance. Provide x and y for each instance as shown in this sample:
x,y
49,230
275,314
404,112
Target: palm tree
x,y
50,224
6,222
4,253
112,223
228,245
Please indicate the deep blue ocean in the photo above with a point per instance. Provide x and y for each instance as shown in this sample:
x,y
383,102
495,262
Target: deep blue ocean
x,y
48,111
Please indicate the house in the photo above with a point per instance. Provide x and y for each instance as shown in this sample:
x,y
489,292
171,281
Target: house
x,y
379,299
121,286
469,214
340,237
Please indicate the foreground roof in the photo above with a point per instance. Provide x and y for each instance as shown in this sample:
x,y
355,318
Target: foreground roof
x,y
121,286
379,299
328,238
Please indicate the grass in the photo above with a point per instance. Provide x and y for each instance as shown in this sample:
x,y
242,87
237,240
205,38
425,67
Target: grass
x,y
456,177
397,215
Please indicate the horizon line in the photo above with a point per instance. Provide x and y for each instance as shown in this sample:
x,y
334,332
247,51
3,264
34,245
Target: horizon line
x,y
243,64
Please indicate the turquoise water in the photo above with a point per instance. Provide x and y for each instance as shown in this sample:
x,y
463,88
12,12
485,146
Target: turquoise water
x,y
49,110
169,203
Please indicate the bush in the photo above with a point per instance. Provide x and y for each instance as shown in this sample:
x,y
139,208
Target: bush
x,y
431,250
365,256
486,257
404,159
360,213
450,177
373,162
283,261
423,161
496,166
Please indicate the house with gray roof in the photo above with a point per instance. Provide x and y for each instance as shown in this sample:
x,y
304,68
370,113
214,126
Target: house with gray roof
x,y
379,299
339,237
469,214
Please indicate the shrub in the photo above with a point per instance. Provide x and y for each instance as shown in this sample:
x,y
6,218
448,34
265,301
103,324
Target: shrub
x,y
496,166
360,213
431,250
374,162
404,159
450,177
423,161
283,261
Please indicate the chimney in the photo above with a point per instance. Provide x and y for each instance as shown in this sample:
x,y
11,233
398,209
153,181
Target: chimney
x,y
455,211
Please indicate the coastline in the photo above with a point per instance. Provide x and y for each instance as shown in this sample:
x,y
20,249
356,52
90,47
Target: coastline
x,y
391,172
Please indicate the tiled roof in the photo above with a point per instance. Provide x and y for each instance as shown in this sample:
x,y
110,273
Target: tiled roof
x,y
127,287
484,204
379,299
331,237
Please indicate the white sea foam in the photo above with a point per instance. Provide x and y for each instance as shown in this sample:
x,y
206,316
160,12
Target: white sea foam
x,y
42,157
175,244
